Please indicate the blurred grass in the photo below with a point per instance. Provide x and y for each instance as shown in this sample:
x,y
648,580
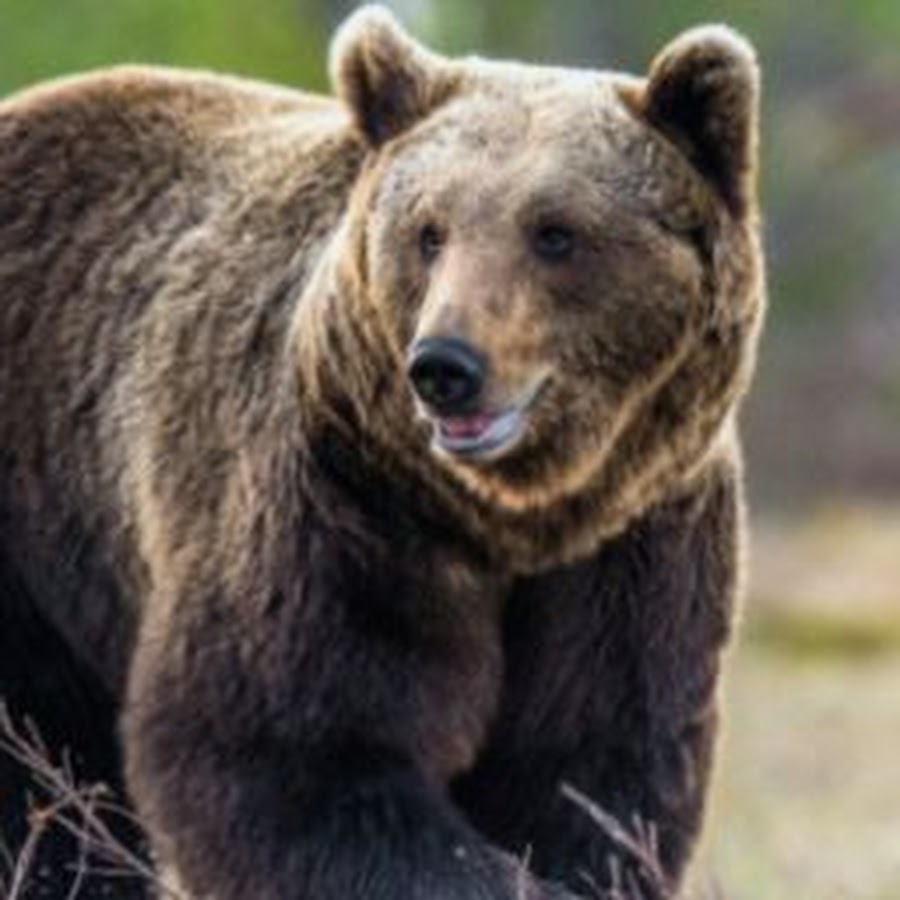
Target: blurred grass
x,y
838,568
807,800
814,637
807,803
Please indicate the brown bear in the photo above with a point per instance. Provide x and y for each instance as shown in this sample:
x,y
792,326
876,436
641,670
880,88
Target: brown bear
x,y
368,468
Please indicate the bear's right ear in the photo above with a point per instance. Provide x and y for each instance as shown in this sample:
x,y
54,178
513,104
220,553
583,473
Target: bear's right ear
x,y
386,79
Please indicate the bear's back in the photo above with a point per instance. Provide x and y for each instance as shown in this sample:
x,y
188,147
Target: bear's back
x,y
106,176
144,213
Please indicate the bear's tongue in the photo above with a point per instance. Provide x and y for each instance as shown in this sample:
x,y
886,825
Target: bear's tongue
x,y
469,427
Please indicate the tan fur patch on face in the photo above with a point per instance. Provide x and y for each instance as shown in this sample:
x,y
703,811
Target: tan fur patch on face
x,y
475,296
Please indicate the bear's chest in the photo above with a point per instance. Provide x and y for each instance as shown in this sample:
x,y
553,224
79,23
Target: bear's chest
x,y
435,625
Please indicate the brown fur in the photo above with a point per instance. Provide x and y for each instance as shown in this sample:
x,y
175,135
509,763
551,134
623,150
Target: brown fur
x,y
216,487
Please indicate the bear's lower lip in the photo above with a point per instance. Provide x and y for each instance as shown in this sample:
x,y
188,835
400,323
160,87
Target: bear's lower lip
x,y
482,435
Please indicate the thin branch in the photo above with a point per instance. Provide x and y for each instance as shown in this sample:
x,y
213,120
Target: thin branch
x,y
25,859
80,810
641,844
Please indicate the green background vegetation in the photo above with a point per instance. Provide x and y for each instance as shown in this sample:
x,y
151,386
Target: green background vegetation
x,y
808,804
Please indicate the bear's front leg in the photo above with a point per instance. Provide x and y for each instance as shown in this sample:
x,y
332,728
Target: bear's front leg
x,y
612,671
294,743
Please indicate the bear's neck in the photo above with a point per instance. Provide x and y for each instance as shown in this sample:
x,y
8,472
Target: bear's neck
x,y
365,457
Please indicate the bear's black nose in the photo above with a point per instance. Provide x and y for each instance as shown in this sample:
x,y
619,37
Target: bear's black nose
x,y
447,374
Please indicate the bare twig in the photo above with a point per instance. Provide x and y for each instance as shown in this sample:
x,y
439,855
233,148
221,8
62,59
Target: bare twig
x,y
23,862
83,811
81,868
522,876
641,844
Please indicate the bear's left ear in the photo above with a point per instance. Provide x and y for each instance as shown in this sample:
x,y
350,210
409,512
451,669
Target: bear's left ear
x,y
387,80
703,93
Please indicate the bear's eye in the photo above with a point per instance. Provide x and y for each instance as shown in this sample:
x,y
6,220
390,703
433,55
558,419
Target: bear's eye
x,y
431,241
553,242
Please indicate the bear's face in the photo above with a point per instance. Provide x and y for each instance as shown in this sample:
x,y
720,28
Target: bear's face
x,y
540,246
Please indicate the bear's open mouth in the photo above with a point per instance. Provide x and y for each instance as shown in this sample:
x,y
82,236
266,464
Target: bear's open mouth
x,y
483,434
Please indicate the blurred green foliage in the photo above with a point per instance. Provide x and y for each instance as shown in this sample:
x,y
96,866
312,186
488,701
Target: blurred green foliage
x,y
275,39
824,415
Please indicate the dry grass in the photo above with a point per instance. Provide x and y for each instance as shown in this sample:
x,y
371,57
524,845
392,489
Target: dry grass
x,y
84,812
87,812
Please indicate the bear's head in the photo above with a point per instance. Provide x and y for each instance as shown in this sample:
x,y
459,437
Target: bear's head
x,y
563,264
